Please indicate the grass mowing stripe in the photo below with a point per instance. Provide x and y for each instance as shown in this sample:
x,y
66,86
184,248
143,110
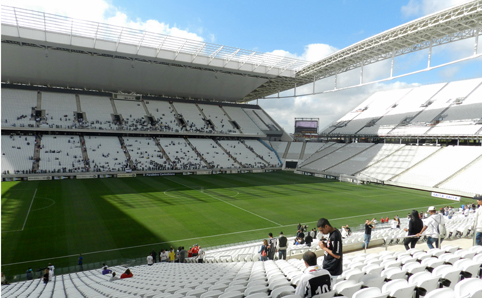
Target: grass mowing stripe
x,y
225,202
33,198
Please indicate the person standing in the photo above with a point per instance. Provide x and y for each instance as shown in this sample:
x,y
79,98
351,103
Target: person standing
x,y
433,222
154,256
80,262
51,271
172,255
478,224
333,248
150,260
283,245
200,255
264,251
415,225
369,226
46,276
29,274
272,246
164,256
315,280
182,255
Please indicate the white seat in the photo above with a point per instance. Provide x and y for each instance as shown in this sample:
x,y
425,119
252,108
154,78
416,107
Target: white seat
x,y
372,280
282,291
424,280
232,294
441,293
255,289
196,292
469,287
469,267
353,274
369,293
394,273
347,288
373,269
258,295
211,294
413,268
449,273
398,288
432,262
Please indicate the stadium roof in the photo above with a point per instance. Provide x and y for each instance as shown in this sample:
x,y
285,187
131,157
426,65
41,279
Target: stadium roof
x,y
449,25
46,49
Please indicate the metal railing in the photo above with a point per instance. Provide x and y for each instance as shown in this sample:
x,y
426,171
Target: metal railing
x,y
24,18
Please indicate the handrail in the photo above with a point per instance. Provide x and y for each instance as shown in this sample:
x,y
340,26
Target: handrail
x,y
24,18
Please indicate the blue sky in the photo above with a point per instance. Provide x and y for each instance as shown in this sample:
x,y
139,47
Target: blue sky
x,y
303,29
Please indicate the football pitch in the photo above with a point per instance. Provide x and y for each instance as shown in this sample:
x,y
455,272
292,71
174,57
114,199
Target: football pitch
x,y
106,219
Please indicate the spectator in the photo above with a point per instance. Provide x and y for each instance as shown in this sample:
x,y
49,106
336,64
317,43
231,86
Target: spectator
x,y
113,277
264,250
283,245
154,256
333,248
195,250
394,223
182,255
478,224
5,282
51,270
46,275
81,261
172,255
200,256
164,256
272,246
127,274
369,226
315,280
106,271
382,220
415,225
150,260
308,240
433,222
29,274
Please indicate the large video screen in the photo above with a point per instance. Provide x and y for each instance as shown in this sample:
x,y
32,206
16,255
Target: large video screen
x,y
306,126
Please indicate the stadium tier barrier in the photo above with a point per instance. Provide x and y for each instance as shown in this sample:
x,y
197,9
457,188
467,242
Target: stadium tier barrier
x,y
459,226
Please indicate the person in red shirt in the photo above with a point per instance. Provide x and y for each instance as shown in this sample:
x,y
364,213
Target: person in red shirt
x,y
195,250
387,219
189,253
382,220
127,274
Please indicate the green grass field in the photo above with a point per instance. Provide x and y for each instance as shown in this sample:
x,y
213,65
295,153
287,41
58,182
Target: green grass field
x,y
54,221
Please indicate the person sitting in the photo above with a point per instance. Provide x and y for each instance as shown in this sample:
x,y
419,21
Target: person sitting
x,y
113,277
106,271
127,274
382,220
315,280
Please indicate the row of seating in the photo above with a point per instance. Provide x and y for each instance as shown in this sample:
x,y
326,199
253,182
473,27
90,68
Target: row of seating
x,y
61,112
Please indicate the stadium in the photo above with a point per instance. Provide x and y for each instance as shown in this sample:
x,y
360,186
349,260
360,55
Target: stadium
x,y
117,142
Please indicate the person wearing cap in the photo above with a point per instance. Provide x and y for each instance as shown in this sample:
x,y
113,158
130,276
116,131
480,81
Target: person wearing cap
x,y
283,245
433,222
478,224
315,280
271,246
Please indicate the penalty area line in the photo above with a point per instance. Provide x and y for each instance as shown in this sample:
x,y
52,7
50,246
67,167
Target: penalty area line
x,y
202,191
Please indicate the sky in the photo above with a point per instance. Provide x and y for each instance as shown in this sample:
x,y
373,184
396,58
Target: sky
x,y
309,30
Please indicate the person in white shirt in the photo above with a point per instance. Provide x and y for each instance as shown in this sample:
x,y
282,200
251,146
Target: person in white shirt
x,y
164,256
478,224
200,255
433,223
315,280
113,277
150,260
51,271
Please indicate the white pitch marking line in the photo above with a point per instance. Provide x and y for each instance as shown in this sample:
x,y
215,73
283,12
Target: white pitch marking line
x,y
196,238
226,202
33,198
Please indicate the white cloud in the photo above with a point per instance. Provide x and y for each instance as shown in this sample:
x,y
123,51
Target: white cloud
x,y
312,52
103,12
418,8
